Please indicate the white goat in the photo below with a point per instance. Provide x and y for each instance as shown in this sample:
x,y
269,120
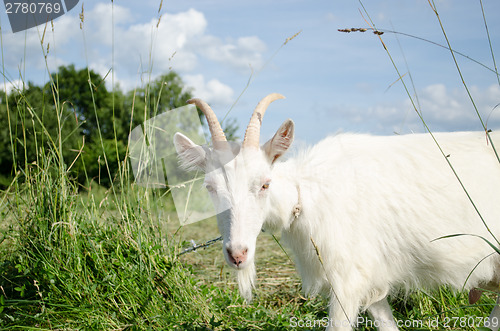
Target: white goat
x,y
371,206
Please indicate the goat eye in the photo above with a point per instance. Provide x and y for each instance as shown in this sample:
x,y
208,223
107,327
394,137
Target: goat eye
x,y
265,186
210,188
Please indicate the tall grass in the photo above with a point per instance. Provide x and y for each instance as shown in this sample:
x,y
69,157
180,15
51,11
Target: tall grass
x,y
67,263
73,260
107,259
94,258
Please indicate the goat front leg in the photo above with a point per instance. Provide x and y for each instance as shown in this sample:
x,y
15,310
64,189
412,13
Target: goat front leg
x,y
493,321
343,314
381,313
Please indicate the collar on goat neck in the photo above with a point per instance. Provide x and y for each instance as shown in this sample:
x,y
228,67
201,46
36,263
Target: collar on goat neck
x,y
297,209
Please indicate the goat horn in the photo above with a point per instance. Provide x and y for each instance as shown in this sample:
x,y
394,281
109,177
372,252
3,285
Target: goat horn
x,y
218,135
252,134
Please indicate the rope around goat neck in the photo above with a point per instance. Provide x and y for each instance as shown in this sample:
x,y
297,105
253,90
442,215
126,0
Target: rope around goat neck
x,y
297,209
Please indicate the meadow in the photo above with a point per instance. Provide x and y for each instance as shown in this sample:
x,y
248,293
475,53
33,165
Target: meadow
x,y
110,260
87,256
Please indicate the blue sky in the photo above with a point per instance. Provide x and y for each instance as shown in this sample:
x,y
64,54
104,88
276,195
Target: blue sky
x,y
332,81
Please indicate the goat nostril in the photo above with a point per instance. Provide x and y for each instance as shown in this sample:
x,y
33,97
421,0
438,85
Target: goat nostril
x,y
237,257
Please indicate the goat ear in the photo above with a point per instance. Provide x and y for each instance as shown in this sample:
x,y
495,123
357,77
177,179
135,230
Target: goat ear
x,y
191,156
280,142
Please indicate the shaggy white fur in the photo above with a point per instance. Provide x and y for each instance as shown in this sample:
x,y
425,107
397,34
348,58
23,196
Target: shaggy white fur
x,y
373,207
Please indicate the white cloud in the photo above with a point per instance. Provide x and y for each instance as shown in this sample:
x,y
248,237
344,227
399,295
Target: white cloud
x,y
145,46
141,48
25,51
453,108
331,17
443,109
241,54
213,91
14,85
176,43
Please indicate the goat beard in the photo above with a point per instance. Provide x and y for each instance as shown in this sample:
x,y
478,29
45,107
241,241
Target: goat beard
x,y
246,281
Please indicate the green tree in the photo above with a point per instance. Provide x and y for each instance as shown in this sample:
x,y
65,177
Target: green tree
x,y
85,91
94,123
103,119
164,93
36,125
6,164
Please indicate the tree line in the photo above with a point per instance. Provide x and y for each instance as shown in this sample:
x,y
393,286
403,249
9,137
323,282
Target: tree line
x,y
75,114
